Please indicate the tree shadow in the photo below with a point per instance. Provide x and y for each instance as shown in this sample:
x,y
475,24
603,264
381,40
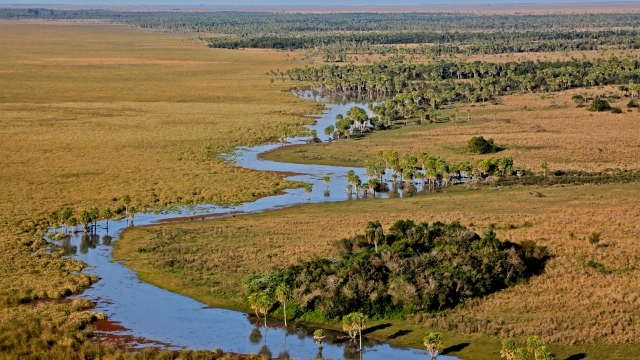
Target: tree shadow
x,y
454,348
398,334
375,328
579,356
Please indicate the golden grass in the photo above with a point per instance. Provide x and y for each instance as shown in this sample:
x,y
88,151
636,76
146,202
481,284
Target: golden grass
x,y
570,303
532,129
91,112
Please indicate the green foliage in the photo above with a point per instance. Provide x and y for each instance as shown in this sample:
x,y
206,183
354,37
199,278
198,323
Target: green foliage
x,y
616,110
433,343
578,99
599,105
418,267
479,145
535,348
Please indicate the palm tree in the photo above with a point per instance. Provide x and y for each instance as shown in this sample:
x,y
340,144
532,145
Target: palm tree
x,y
354,324
372,184
326,181
308,189
318,336
85,219
283,295
54,219
545,167
374,233
508,349
126,200
264,303
132,213
65,215
95,216
433,342
349,189
106,215
533,344
73,222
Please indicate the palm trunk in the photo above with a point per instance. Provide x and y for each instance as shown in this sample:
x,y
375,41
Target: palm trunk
x,y
285,315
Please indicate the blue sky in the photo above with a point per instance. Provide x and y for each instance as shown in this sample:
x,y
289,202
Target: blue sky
x,y
295,2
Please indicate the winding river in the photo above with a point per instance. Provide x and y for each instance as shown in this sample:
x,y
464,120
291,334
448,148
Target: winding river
x,y
149,312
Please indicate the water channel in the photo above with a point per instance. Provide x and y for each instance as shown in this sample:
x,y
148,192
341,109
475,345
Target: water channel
x,y
149,312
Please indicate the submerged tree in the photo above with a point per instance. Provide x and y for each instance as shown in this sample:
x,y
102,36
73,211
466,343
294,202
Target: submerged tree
x,y
353,324
319,336
433,343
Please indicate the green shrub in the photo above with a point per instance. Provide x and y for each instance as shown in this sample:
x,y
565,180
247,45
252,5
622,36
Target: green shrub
x,y
599,105
616,110
479,145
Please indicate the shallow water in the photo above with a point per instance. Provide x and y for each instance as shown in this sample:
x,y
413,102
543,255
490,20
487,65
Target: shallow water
x,y
160,315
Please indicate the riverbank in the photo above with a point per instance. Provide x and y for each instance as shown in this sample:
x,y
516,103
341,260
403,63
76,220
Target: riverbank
x,y
231,248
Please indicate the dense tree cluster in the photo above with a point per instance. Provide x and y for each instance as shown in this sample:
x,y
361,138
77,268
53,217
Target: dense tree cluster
x,y
411,267
418,90
333,46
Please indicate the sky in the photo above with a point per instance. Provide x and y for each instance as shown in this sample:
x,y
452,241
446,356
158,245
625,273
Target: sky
x,y
295,2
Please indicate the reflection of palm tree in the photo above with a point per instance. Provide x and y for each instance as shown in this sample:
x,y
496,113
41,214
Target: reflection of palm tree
x,y
319,355
84,243
106,240
255,335
265,351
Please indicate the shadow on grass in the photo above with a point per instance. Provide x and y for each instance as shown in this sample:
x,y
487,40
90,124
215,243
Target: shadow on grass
x,y
375,328
577,356
454,348
398,334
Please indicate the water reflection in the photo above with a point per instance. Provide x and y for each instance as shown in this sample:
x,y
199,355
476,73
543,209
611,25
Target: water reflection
x,y
106,240
342,98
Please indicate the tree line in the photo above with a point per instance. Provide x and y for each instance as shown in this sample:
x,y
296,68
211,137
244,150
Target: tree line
x,y
445,81
252,24
434,43
70,219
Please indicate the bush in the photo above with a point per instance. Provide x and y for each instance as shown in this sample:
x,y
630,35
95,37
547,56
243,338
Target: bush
x,y
418,267
578,99
599,105
632,104
616,110
479,145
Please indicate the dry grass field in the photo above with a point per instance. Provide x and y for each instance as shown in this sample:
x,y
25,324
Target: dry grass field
x,y
532,129
89,112
571,303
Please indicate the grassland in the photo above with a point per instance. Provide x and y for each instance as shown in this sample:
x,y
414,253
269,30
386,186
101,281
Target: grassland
x,y
90,112
570,303
531,128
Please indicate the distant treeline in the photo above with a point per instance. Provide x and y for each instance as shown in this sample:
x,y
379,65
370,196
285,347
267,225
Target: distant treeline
x,y
440,43
254,24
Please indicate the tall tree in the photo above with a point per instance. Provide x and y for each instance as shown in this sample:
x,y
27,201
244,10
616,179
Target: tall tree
x,y
283,295
374,233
